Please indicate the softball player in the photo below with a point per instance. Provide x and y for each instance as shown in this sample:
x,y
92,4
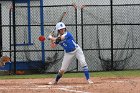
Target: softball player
x,y
71,49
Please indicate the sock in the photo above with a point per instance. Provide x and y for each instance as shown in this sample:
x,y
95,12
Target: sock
x,y
86,72
58,76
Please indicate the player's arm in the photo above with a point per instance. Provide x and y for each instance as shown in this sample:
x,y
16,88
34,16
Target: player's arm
x,y
51,37
52,44
59,38
56,40
52,41
62,37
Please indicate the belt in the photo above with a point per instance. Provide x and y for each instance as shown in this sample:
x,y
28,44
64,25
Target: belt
x,y
73,49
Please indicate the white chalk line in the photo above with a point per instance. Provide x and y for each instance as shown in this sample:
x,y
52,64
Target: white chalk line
x,y
44,87
119,81
70,90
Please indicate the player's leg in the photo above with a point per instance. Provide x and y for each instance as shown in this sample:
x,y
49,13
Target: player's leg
x,y
58,76
65,63
81,58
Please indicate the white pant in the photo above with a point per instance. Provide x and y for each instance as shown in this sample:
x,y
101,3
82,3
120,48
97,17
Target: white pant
x,y
68,58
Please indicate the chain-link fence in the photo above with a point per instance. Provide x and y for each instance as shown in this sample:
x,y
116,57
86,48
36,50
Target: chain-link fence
x,y
110,34
107,31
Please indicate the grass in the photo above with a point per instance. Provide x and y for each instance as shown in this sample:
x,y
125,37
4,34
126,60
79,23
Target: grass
x,y
130,73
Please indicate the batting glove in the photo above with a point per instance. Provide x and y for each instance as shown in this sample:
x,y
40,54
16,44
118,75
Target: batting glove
x,y
49,37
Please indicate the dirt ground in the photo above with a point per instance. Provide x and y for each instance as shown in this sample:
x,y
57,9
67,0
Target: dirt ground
x,y
71,85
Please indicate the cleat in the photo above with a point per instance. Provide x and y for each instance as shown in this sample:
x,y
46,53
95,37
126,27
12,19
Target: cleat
x,y
90,81
52,82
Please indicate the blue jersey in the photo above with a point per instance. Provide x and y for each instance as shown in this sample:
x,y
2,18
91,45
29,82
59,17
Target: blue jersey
x,y
68,43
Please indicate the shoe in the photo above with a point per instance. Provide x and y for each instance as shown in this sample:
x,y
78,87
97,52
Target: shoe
x,y
90,81
52,82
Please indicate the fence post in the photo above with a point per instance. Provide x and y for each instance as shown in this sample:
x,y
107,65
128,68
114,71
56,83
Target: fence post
x,y
14,35
42,29
0,31
111,3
